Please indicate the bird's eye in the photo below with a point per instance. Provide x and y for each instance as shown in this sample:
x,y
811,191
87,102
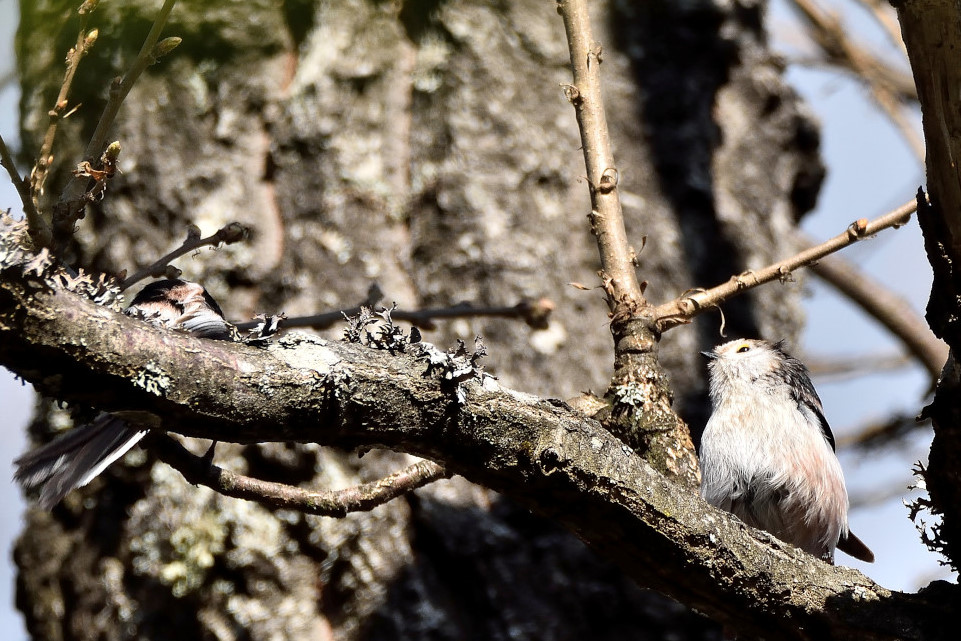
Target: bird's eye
x,y
743,348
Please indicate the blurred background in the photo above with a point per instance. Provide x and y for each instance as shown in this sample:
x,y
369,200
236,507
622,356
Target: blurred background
x,y
872,168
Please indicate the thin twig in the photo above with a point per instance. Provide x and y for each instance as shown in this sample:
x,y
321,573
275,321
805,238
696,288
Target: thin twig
x,y
336,503
846,367
884,15
889,89
607,220
681,310
881,433
327,319
73,200
146,57
38,228
535,313
886,307
85,41
228,234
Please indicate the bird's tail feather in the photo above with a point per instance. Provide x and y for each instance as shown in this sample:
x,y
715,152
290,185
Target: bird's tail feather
x,y
76,458
852,545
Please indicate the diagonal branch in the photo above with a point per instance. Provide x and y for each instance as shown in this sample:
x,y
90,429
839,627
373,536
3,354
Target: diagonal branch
x,y
681,310
889,88
884,15
336,503
85,41
37,226
228,234
886,307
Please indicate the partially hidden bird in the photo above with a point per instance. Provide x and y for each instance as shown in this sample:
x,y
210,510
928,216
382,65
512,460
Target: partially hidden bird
x,y
78,456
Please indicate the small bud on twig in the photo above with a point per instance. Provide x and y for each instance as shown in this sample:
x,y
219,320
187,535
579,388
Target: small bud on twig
x,y
112,153
90,39
164,47
233,233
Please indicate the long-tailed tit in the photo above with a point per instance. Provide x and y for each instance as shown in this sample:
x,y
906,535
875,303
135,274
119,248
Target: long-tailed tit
x,y
77,457
767,453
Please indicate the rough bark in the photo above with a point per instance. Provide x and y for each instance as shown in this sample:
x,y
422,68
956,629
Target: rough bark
x,y
932,36
539,453
426,146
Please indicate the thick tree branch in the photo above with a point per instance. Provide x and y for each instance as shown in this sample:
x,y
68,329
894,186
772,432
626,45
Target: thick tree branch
x,y
540,453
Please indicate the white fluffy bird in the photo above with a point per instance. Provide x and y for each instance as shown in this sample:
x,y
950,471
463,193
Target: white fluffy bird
x,y
767,453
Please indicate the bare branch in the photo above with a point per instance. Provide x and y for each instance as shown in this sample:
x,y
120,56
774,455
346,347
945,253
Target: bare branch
x,y
148,55
228,234
844,367
39,229
85,41
889,88
535,313
883,432
886,307
73,199
606,217
665,440
336,503
681,310
885,16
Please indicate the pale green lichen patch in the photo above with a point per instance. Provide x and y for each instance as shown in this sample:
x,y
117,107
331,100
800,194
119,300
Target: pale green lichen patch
x,y
152,379
195,546
178,545
630,394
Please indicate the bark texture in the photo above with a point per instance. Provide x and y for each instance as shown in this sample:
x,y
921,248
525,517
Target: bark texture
x,y
426,146
932,35
539,453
